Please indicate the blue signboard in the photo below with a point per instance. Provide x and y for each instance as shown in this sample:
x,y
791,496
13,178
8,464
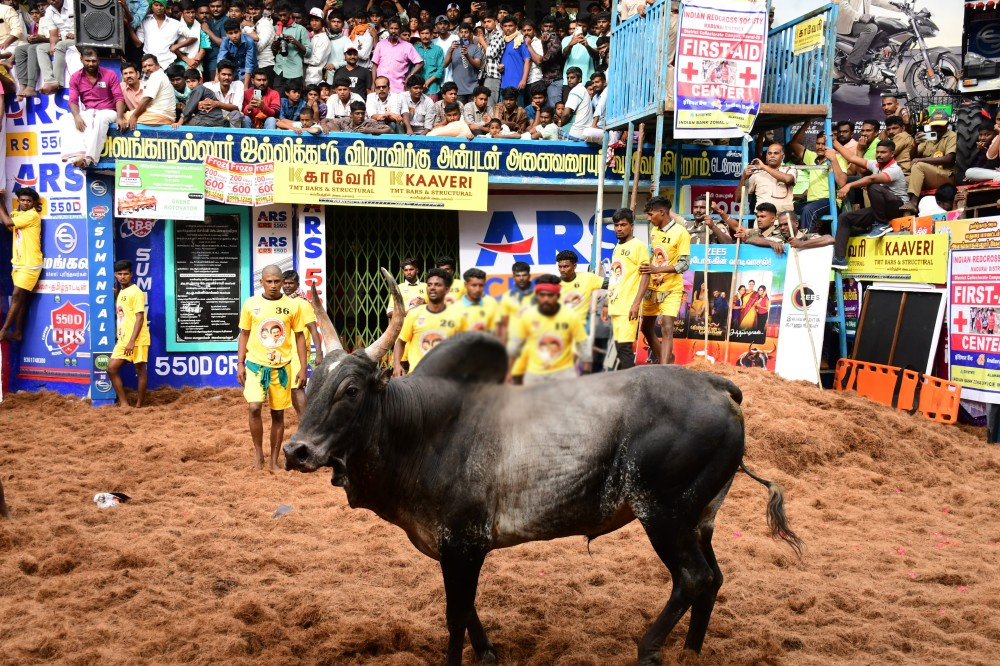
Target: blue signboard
x,y
100,241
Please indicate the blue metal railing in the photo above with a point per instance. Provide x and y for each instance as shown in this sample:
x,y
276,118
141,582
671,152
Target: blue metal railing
x,y
637,70
806,78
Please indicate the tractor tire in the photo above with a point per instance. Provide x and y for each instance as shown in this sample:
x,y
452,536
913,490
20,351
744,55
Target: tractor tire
x,y
968,118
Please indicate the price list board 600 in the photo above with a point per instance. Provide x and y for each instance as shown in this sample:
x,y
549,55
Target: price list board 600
x,y
207,278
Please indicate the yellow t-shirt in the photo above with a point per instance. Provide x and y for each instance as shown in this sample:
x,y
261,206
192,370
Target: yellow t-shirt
x,y
423,330
456,292
483,316
308,317
131,301
576,293
272,326
514,303
668,243
27,239
410,292
549,340
624,279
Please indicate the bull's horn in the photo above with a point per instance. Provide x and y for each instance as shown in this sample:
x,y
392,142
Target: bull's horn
x,y
384,344
331,341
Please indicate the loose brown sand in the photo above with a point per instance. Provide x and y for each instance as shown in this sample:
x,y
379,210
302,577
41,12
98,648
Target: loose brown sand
x,y
898,515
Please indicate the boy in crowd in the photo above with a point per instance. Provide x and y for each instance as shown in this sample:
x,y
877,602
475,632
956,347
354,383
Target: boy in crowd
x,y
306,123
192,113
132,342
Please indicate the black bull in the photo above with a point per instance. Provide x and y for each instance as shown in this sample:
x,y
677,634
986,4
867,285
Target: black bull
x,y
464,464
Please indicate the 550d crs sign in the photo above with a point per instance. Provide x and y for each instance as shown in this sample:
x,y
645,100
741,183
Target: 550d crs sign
x,y
379,186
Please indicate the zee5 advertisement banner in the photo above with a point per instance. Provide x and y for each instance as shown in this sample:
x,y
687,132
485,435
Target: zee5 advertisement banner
x,y
720,65
974,323
33,154
375,186
159,191
907,258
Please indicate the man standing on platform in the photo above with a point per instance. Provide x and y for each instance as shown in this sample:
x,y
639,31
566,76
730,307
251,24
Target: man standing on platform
x,y
132,344
551,336
99,92
671,255
270,334
627,287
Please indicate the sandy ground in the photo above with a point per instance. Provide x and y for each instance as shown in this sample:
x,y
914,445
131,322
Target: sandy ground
x,y
898,515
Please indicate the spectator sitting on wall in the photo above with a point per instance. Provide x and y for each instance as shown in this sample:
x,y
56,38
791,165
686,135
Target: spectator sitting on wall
x,y
192,114
476,113
987,164
306,123
339,104
418,109
817,202
130,87
573,78
886,192
358,122
292,103
314,103
497,130
453,124
56,26
935,162
175,73
228,94
383,106
449,94
867,139
509,113
261,104
95,101
158,104
578,113
543,126
765,232
769,180
239,49
895,130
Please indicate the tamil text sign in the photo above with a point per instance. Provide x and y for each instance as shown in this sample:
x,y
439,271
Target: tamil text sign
x,y
157,191
906,258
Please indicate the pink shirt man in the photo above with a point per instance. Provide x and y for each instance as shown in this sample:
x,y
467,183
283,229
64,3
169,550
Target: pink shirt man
x,y
394,60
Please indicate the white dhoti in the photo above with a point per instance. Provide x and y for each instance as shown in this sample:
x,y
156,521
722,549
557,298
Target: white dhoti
x,y
88,143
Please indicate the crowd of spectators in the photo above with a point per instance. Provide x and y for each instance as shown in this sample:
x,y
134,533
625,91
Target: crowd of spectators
x,y
268,64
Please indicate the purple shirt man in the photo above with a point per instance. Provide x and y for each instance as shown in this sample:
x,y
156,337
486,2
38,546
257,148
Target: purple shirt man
x,y
392,59
95,101
102,94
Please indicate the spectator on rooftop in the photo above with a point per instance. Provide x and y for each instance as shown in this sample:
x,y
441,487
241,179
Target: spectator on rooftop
x,y
12,30
58,21
580,49
214,28
291,46
394,58
445,39
987,164
516,60
194,113
160,35
263,34
239,49
552,60
261,104
362,36
509,113
895,131
338,45
769,180
418,109
535,51
228,94
292,103
306,123
95,101
493,45
433,57
383,106
189,49
320,42
26,57
133,13
339,104
935,162
467,60
453,123
359,77
158,104
358,122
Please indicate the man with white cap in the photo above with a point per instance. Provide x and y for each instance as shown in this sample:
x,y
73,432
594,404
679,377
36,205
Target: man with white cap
x,y
454,14
317,60
444,41
934,164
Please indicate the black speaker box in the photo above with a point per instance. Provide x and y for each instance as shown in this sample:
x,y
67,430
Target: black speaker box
x,y
99,24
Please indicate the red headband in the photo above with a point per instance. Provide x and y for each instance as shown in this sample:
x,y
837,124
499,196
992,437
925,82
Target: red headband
x,y
545,286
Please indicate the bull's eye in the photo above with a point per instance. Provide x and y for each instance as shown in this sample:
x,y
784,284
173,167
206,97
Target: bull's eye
x,y
351,392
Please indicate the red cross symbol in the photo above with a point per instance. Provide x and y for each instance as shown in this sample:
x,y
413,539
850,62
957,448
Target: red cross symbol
x,y
130,171
748,77
689,71
960,321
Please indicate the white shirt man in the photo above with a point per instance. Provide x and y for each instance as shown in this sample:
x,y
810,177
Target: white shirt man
x,y
378,106
444,43
580,104
157,38
365,45
163,103
233,96
337,109
265,37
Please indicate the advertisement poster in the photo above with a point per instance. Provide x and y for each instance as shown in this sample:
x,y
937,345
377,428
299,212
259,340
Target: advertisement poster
x,y
719,68
158,191
271,229
103,327
976,234
804,299
238,183
311,243
379,186
909,258
974,323
808,35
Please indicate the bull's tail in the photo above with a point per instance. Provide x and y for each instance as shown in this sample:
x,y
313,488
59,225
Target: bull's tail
x,y
3,505
776,520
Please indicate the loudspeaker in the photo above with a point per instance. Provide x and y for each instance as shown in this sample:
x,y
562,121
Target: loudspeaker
x,y
99,24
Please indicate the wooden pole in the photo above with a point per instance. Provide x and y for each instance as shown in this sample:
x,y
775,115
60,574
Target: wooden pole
x,y
638,167
732,282
805,309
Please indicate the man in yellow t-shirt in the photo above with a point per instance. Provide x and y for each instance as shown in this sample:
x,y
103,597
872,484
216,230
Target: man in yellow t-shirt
x,y
132,344
671,255
457,288
512,305
479,311
290,286
577,286
627,287
427,326
26,225
413,290
549,335
270,334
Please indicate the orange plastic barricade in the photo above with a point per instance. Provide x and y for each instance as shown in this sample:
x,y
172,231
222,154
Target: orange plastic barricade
x,y
899,388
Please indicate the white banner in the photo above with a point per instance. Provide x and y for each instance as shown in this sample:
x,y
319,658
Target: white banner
x,y
311,251
271,231
807,289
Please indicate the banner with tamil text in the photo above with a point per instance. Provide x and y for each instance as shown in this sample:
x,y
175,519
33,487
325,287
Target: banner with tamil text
x,y
978,234
905,258
720,66
151,190
238,183
974,323
379,186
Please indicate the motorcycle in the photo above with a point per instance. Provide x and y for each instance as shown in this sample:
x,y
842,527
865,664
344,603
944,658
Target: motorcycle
x,y
929,70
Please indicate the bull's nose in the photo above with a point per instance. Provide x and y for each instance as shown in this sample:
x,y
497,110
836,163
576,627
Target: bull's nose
x,y
295,455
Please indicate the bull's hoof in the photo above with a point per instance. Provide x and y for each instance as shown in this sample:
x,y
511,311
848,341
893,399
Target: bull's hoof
x,y
487,656
653,659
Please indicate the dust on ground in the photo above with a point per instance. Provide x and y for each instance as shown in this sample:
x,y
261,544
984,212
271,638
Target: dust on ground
x,y
898,515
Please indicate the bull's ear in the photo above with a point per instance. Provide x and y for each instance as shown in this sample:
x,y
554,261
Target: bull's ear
x,y
466,357
383,379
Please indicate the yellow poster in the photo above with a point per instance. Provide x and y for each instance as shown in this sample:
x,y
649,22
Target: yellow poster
x,y
808,36
908,258
982,233
379,186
